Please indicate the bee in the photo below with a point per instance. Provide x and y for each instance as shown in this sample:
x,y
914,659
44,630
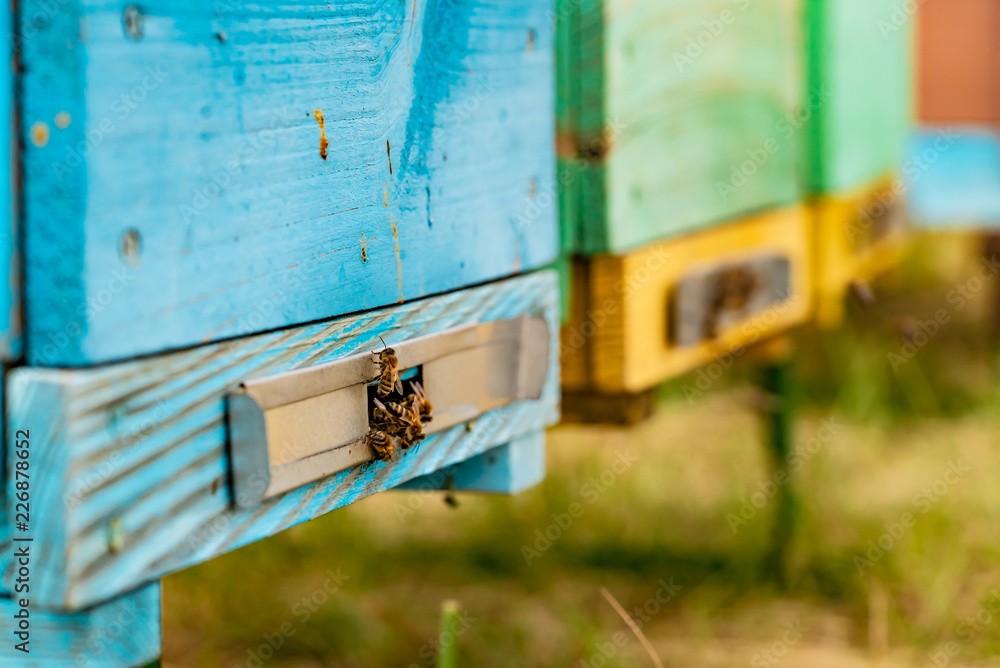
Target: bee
x,y
412,434
390,417
381,445
400,422
419,403
388,371
382,414
449,492
863,292
733,290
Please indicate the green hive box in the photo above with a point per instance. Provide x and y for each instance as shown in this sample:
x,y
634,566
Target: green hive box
x,y
861,91
676,116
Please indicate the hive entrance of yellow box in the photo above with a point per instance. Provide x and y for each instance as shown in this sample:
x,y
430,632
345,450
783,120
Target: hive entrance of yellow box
x,y
704,304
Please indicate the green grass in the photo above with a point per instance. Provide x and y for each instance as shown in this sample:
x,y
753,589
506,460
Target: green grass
x,y
668,517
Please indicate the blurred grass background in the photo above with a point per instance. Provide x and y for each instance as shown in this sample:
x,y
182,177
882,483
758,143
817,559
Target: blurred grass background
x,y
668,517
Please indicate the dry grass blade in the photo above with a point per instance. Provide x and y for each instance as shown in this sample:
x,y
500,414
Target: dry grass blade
x,y
632,625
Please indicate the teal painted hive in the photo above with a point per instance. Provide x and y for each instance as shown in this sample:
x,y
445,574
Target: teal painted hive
x,y
860,77
674,116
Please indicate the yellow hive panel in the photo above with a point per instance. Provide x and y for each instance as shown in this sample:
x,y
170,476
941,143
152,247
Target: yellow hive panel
x,y
627,322
858,237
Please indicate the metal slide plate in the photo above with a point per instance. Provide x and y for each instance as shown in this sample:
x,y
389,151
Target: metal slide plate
x,y
295,428
709,302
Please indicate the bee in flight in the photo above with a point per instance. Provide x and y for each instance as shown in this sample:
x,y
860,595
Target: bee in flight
x,y
388,371
449,492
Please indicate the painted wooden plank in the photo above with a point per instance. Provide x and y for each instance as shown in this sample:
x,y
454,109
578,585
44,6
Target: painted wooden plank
x,y
627,328
130,460
624,409
10,278
673,99
176,189
858,237
953,177
124,633
508,469
860,97
958,62
6,529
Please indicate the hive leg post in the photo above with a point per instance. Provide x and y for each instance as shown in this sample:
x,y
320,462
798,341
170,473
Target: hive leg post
x,y
506,469
122,633
778,416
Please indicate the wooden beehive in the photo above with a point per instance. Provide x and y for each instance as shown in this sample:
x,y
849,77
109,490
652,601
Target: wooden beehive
x,y
226,208
675,116
860,92
222,172
861,110
643,317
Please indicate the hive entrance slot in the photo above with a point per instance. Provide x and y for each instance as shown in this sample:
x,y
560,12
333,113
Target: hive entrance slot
x,y
407,377
398,419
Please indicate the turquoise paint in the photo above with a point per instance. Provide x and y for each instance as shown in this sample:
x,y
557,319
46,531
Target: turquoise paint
x,y
10,280
124,633
952,178
6,528
213,158
142,445
507,469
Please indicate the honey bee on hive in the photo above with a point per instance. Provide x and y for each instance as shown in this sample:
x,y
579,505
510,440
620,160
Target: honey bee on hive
x,y
388,371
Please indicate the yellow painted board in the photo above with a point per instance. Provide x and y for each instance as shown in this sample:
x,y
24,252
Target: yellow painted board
x,y
858,237
626,323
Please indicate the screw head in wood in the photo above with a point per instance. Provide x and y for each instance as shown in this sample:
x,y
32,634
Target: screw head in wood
x,y
116,535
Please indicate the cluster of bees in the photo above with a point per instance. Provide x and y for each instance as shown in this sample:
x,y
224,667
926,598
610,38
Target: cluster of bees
x,y
396,423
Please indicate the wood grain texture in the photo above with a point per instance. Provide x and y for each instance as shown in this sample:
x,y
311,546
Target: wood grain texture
x,y
6,528
187,200
507,469
131,462
953,177
10,269
672,97
861,92
627,321
125,633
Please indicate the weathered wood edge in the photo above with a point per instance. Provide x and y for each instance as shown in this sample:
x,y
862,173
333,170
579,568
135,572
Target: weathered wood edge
x,y
116,435
59,217
47,38
10,282
124,633
507,469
